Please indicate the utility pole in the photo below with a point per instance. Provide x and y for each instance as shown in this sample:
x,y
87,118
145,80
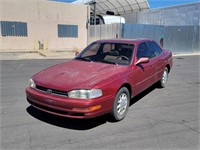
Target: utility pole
x,y
94,10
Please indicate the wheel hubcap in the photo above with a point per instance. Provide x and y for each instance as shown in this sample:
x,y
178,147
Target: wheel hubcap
x,y
122,104
164,77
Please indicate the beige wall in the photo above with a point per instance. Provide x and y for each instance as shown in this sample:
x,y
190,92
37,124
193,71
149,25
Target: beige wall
x,y
42,18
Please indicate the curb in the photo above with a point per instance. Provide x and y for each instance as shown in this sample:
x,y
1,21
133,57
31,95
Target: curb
x,y
35,54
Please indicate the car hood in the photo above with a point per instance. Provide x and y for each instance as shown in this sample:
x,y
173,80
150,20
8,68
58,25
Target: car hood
x,y
77,75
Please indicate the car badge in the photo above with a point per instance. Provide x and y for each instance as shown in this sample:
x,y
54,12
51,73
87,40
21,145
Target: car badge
x,y
49,91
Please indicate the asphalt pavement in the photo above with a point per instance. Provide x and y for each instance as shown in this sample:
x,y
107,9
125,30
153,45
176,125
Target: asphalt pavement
x,y
158,119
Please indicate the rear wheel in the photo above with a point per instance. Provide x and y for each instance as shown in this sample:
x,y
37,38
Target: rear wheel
x,y
162,83
121,104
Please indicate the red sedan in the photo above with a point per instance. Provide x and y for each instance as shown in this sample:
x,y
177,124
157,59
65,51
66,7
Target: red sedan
x,y
101,79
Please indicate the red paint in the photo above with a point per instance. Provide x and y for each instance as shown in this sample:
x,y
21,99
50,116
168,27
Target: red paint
x,y
76,74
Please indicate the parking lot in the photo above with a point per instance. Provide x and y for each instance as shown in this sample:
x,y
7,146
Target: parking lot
x,y
157,119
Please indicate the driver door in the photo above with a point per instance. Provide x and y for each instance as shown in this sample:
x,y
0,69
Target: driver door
x,y
143,72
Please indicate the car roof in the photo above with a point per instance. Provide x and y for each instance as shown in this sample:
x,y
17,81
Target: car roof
x,y
122,40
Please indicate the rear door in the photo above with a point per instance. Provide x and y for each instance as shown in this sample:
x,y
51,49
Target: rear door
x,y
155,55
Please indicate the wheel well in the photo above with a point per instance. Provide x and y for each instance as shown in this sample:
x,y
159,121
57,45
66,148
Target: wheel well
x,y
168,67
128,86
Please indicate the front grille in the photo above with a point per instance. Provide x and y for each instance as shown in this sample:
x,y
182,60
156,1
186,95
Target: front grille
x,y
52,91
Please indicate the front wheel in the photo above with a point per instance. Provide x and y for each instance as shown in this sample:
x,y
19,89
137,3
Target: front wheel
x,y
162,83
121,104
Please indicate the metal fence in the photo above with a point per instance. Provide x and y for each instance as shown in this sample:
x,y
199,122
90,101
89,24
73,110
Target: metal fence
x,y
109,31
179,39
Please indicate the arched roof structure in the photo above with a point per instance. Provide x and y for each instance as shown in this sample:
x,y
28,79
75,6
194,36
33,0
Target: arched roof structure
x,y
119,7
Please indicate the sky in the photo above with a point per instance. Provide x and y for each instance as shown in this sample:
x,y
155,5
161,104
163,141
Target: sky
x,y
165,3
156,3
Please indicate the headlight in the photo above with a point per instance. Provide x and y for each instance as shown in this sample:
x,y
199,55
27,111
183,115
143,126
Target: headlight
x,y
85,94
31,83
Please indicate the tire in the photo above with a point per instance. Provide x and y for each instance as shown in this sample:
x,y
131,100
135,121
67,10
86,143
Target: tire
x,y
163,81
121,104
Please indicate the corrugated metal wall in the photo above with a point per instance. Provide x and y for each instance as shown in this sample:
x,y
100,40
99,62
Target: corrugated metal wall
x,y
143,31
179,39
182,38
179,25
108,31
180,15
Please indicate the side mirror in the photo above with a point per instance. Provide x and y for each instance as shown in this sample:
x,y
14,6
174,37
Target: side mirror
x,y
142,60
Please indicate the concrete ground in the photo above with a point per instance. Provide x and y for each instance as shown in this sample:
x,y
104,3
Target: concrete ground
x,y
158,119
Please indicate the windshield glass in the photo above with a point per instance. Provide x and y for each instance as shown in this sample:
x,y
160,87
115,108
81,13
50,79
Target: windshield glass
x,y
112,53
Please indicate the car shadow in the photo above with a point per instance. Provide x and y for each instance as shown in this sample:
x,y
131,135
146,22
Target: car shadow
x,y
80,124
69,123
143,94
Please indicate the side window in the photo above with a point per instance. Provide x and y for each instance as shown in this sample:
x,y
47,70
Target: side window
x,y
143,51
154,49
158,49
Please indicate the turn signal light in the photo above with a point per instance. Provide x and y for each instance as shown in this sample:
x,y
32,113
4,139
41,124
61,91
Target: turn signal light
x,y
94,108
89,109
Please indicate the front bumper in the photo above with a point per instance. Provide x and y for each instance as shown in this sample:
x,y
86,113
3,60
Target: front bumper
x,y
68,107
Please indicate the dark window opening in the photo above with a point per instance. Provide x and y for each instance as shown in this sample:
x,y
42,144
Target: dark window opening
x,y
67,31
143,51
154,49
10,28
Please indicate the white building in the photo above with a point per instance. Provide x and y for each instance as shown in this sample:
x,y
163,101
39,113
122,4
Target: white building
x,y
34,24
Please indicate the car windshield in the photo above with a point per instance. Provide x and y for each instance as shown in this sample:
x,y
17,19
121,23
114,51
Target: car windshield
x,y
112,53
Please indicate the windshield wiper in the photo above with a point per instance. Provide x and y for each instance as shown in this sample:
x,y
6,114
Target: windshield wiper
x,y
82,58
